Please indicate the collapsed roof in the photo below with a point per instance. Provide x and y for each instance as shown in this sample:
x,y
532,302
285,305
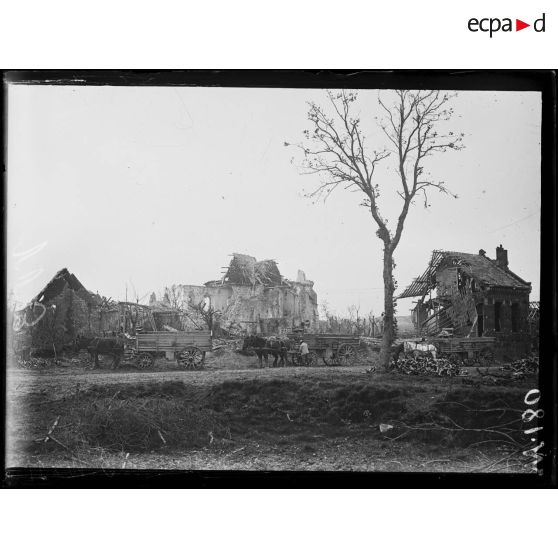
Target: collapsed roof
x,y
246,270
488,272
59,282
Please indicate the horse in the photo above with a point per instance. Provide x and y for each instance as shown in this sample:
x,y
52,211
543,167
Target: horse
x,y
409,346
277,347
420,347
113,346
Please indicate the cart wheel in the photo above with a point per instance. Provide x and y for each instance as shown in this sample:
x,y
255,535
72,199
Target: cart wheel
x,y
145,360
346,355
330,359
329,356
486,357
190,358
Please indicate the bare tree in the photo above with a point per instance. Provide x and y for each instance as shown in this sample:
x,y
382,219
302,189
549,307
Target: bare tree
x,y
173,298
206,312
357,324
336,149
188,309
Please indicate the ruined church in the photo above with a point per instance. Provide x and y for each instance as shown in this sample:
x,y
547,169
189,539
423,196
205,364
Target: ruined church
x,y
251,297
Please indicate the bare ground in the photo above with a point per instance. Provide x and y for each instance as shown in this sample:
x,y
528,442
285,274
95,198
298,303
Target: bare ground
x,y
325,419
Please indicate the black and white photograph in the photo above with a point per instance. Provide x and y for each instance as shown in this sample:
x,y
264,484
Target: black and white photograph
x,y
288,277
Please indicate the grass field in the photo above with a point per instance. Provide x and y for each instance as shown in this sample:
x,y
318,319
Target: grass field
x,y
273,419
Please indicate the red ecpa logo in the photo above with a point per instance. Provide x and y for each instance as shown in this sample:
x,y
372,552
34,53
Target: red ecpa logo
x,y
493,25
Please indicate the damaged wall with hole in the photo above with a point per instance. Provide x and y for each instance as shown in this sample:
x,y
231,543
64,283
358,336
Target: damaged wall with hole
x,y
252,297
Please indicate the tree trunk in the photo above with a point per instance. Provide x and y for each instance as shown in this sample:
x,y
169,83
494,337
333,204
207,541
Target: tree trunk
x,y
388,334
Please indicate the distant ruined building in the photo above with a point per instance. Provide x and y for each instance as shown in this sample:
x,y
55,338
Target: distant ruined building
x,y
251,297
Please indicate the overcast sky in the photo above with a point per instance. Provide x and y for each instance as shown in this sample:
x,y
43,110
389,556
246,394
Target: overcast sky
x,y
150,186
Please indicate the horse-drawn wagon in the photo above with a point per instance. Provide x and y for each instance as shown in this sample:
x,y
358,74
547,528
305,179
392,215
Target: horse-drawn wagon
x,y
333,349
188,348
466,350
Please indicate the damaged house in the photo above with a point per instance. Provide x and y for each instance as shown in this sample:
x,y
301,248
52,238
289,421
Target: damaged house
x,y
61,311
65,309
251,297
472,295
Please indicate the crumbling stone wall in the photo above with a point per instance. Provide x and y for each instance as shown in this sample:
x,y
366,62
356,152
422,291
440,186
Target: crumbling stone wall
x,y
253,308
463,314
511,346
67,315
126,315
506,298
446,282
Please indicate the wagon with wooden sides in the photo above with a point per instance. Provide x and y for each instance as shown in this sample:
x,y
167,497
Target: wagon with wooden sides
x,y
466,350
188,348
332,348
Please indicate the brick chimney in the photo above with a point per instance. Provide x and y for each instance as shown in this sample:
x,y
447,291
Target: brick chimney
x,y
502,257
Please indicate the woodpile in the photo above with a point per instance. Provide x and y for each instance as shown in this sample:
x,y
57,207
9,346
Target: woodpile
x,y
34,363
422,366
523,367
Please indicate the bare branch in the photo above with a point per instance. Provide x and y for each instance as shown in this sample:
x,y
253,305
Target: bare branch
x,y
413,131
336,150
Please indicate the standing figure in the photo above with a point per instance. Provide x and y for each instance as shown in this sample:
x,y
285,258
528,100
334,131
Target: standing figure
x,y
304,353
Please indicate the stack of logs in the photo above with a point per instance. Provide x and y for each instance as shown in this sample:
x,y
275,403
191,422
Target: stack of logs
x,y
34,363
523,367
423,366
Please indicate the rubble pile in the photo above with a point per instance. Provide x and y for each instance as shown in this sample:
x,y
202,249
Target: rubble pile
x,y
422,366
82,358
227,344
34,363
523,367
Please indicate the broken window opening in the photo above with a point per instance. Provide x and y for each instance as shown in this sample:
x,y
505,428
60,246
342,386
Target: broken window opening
x,y
480,319
515,317
497,315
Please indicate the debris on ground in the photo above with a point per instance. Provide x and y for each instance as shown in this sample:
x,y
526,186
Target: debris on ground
x,y
422,366
79,360
227,344
35,363
523,367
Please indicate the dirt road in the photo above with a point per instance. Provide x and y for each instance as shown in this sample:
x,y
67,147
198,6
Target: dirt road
x,y
57,381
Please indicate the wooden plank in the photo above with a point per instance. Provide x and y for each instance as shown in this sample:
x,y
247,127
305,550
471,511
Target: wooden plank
x,y
179,344
173,341
170,338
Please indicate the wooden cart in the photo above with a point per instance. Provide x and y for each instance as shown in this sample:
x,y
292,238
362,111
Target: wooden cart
x,y
188,348
466,350
332,348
